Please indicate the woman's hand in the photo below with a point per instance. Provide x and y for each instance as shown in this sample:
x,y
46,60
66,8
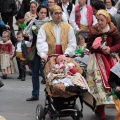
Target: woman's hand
x,y
7,26
106,50
117,89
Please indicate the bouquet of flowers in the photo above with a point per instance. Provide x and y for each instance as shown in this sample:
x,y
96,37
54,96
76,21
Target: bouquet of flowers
x,y
21,24
100,42
35,29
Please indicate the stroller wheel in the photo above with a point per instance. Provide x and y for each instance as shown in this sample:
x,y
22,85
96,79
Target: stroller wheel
x,y
76,118
79,115
39,112
77,107
56,118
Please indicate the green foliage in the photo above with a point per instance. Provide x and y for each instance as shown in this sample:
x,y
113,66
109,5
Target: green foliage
x,y
79,51
22,26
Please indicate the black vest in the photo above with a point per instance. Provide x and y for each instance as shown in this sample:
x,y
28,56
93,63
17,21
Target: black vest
x,y
69,8
24,49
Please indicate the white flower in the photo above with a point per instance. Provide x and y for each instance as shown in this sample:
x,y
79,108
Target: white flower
x,y
34,27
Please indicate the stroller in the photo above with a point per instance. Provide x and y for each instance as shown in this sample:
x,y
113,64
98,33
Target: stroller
x,y
57,107
58,102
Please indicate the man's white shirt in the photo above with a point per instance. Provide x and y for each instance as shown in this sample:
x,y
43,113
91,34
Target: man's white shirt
x,y
42,45
112,10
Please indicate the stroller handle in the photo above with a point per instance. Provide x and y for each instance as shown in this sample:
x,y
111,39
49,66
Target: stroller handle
x,y
54,55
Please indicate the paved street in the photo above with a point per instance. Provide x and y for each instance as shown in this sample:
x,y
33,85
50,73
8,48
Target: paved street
x,y
13,104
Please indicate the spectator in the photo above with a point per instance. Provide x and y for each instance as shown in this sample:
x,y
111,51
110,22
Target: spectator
x,y
3,26
8,9
42,12
109,7
32,13
117,17
25,7
98,5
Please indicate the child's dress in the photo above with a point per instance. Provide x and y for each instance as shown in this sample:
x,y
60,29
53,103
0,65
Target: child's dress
x,y
6,51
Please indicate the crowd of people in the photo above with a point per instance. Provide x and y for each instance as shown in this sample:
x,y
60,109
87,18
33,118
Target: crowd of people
x,y
50,27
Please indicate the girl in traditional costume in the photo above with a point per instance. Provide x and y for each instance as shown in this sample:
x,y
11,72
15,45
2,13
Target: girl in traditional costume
x,y
101,59
6,55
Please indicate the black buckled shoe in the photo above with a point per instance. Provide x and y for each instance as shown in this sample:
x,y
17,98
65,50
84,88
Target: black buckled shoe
x,y
4,76
19,77
1,83
23,79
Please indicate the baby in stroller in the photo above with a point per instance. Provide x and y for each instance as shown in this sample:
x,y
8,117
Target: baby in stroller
x,y
65,73
64,84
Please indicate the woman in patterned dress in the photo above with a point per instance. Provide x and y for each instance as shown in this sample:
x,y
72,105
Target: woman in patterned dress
x,y
102,59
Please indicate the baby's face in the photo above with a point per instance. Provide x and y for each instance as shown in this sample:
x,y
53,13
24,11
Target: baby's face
x,y
62,62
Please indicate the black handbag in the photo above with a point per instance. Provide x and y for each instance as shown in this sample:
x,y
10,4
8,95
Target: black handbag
x,y
31,55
